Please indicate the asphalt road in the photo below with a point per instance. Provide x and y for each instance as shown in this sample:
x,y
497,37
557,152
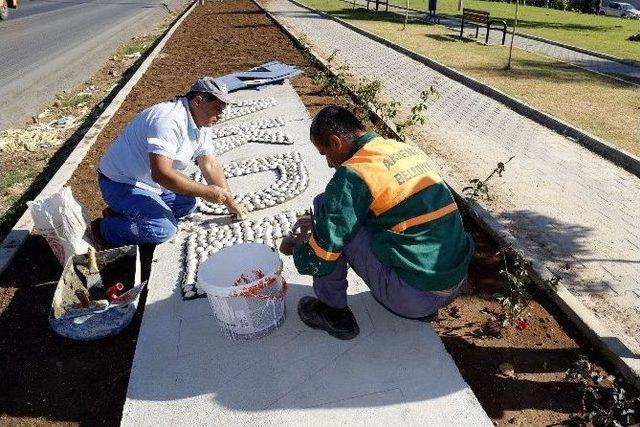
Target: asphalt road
x,y
47,46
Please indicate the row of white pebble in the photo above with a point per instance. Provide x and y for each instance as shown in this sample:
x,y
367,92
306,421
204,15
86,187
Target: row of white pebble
x,y
242,108
247,127
222,145
293,179
203,241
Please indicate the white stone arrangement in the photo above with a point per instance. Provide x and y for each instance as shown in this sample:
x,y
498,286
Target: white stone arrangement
x,y
293,179
242,108
203,242
229,137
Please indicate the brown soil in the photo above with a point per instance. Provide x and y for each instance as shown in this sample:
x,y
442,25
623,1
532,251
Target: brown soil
x,y
48,380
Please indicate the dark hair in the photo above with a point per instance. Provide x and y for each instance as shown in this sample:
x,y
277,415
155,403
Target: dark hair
x,y
335,120
206,95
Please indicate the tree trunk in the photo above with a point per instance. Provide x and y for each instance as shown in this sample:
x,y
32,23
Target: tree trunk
x,y
513,34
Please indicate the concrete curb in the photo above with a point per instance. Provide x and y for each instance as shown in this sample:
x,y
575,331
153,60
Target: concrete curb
x,y
622,158
589,324
541,39
23,227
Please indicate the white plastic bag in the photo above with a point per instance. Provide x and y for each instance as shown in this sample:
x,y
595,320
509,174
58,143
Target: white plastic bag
x,y
59,219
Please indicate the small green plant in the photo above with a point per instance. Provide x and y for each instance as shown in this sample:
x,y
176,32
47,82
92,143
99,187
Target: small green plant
x,y
71,101
479,187
417,113
514,297
334,82
604,406
137,44
367,93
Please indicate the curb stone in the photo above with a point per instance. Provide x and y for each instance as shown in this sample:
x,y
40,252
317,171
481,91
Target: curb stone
x,y
23,227
587,322
619,157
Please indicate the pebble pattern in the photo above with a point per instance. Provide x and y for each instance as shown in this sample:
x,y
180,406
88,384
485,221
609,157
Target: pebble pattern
x,y
293,179
229,137
242,108
203,241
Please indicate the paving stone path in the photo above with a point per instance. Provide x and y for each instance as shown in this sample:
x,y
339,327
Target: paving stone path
x,y
584,60
572,209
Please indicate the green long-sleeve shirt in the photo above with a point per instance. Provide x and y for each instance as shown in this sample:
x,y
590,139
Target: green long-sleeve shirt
x,y
387,187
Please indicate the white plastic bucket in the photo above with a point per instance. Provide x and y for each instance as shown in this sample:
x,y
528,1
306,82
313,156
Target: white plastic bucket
x,y
246,310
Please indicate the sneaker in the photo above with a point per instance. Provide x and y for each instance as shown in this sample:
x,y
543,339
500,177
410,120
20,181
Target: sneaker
x,y
338,322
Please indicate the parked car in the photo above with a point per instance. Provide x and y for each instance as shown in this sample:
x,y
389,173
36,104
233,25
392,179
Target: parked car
x,y
623,10
4,8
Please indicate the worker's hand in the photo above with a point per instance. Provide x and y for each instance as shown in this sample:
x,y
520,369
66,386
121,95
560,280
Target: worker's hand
x,y
302,228
237,210
217,194
288,244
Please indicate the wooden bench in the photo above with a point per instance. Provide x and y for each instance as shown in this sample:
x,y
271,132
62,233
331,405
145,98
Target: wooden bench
x,y
378,3
480,17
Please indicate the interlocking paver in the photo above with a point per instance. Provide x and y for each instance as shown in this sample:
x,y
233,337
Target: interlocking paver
x,y
565,203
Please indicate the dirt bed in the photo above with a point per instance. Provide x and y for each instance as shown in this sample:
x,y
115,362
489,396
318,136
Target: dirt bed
x,y
47,380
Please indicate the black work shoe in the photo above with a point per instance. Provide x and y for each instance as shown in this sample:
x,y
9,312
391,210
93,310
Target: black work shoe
x,y
338,322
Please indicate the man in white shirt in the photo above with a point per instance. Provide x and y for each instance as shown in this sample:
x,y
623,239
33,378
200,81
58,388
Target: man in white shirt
x,y
140,178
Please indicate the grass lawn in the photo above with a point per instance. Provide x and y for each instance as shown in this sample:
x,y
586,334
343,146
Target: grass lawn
x,y
598,33
600,105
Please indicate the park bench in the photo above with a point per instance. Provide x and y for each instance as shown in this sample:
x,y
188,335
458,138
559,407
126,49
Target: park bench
x,y
480,17
378,3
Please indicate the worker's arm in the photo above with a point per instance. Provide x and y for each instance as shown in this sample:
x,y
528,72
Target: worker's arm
x,y
212,171
343,211
164,174
214,175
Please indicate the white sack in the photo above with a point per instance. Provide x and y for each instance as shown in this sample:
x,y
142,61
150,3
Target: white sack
x,y
59,219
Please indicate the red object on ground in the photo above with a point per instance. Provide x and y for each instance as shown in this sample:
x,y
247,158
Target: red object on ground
x,y
114,291
522,324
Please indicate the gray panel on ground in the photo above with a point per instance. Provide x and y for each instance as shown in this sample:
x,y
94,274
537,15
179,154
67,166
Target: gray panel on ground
x,y
185,372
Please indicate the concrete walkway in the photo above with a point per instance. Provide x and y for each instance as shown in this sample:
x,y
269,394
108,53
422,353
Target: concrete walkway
x,y
186,373
575,57
571,209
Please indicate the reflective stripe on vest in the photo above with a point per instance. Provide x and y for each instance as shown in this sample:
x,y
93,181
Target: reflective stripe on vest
x,y
425,218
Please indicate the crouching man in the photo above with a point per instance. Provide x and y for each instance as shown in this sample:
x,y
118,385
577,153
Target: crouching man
x,y
139,176
386,214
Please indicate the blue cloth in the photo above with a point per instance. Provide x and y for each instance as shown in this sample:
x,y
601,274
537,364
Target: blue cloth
x,y
142,215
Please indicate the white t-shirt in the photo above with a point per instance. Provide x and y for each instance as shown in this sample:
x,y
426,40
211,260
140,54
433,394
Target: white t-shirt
x,y
167,129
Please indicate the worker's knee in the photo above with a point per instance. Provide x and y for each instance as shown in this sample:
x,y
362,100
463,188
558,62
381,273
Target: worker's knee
x,y
185,206
156,230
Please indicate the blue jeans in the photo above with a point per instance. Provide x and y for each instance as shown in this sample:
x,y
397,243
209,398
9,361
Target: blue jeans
x,y
385,285
142,216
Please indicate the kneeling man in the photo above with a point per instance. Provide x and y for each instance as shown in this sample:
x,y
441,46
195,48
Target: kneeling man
x,y
386,214
139,176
